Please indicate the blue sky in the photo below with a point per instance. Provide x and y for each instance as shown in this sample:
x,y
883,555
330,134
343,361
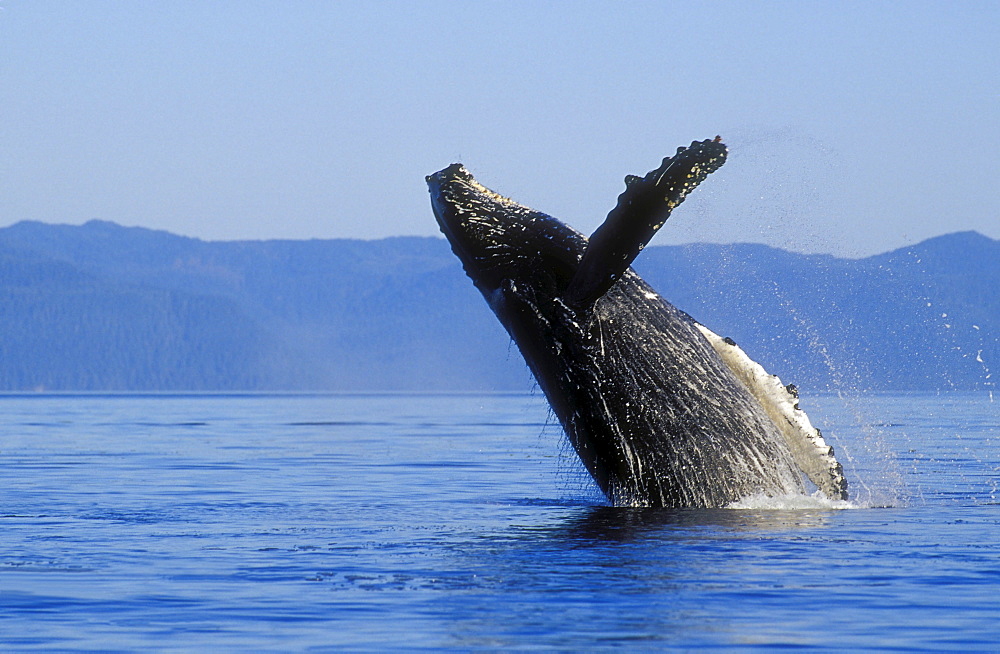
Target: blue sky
x,y
854,127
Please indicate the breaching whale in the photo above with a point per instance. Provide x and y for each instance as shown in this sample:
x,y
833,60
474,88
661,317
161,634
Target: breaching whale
x,y
661,410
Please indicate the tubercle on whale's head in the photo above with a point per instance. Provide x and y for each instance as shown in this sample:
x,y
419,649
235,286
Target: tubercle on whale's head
x,y
500,242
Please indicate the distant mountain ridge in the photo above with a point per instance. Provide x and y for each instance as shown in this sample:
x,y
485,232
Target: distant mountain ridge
x,y
105,307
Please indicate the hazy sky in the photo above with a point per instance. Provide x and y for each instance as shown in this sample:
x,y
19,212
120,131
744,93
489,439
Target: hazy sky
x,y
853,127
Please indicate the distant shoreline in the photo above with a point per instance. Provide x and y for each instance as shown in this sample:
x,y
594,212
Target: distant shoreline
x,y
99,306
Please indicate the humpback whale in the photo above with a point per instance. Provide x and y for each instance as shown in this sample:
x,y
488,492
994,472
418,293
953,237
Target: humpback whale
x,y
661,410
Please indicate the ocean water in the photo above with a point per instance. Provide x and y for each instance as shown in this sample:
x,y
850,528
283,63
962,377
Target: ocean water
x,y
463,522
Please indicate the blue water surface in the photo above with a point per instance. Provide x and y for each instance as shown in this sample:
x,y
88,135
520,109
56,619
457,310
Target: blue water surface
x,y
429,522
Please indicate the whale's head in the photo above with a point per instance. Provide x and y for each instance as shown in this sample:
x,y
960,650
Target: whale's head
x,y
502,244
509,249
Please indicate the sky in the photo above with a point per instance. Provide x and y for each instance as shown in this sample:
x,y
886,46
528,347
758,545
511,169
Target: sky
x,y
853,127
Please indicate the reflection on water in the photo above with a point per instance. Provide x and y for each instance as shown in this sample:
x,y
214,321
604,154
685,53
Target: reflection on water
x,y
603,524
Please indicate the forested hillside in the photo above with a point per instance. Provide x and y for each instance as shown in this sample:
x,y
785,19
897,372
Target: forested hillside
x,y
103,307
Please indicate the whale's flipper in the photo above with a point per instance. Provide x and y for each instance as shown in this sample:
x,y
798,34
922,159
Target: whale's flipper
x,y
811,453
641,211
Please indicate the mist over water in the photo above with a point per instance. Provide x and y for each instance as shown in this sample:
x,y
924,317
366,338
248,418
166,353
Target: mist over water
x,y
778,187
787,324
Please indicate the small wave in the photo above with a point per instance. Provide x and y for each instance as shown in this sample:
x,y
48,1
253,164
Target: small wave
x,y
791,503
340,423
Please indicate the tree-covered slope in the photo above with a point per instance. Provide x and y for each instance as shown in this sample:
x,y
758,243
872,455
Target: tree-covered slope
x,y
103,307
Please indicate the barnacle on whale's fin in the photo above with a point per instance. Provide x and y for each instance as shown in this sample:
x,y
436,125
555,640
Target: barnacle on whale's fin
x,y
641,211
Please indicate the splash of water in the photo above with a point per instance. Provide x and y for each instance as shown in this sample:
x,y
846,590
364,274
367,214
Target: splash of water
x,y
814,501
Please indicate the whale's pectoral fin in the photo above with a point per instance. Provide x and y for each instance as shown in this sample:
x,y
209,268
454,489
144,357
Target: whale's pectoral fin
x,y
641,211
811,453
